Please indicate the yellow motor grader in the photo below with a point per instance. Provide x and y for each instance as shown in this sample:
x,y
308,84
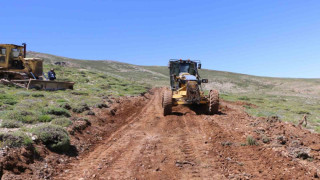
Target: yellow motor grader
x,y
17,70
185,83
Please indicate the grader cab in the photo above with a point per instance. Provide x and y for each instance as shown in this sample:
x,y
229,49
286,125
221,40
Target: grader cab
x,y
185,83
16,69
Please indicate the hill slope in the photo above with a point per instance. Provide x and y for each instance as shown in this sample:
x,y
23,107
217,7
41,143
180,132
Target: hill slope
x,y
224,81
287,98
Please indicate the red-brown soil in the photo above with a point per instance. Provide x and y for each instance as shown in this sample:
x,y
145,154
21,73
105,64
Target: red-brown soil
x,y
133,140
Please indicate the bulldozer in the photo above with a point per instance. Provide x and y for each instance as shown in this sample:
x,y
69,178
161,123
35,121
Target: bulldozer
x,y
18,70
185,83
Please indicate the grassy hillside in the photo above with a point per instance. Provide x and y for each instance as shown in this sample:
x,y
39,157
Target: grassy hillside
x,y
113,68
46,114
224,81
287,98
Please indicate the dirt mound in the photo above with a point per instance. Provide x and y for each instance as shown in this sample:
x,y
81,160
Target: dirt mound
x,y
132,139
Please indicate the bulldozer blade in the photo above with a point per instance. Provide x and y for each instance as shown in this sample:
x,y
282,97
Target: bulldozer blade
x,y
49,85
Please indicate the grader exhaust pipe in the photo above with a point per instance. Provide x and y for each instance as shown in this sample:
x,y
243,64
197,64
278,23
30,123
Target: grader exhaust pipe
x,y
24,50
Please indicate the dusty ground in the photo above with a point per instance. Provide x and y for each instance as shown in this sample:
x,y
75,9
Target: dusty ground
x,y
135,141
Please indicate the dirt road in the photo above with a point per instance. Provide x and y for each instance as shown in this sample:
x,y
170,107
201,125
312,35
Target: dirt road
x,y
187,145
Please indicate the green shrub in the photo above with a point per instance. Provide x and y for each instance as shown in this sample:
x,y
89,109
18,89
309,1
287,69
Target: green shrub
x,y
4,107
28,119
318,129
102,105
23,116
226,143
79,93
9,101
103,76
5,96
81,108
244,98
23,94
37,95
95,89
64,122
57,111
303,112
54,137
44,118
16,139
105,86
251,141
61,100
65,106
9,123
265,139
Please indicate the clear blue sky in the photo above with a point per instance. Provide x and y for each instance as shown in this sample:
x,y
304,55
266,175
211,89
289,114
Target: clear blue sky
x,y
266,38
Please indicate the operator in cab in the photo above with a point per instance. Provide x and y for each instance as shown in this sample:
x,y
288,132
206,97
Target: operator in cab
x,y
51,75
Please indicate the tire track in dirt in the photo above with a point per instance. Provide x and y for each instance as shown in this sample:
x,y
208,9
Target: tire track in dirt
x,y
137,137
197,138
110,154
190,160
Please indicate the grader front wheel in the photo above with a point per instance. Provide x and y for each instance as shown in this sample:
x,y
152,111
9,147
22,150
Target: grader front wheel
x,y
167,103
213,102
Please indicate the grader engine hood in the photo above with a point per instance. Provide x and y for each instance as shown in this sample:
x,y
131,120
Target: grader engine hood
x,y
184,78
189,77
33,59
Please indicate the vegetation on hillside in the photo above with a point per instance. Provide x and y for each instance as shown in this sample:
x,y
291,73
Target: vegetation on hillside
x,y
22,110
287,108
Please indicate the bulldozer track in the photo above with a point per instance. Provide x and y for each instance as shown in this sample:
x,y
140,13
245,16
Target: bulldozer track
x,y
7,76
183,145
17,75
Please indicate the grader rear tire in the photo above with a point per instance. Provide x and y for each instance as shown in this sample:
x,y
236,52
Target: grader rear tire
x,y
167,103
213,102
